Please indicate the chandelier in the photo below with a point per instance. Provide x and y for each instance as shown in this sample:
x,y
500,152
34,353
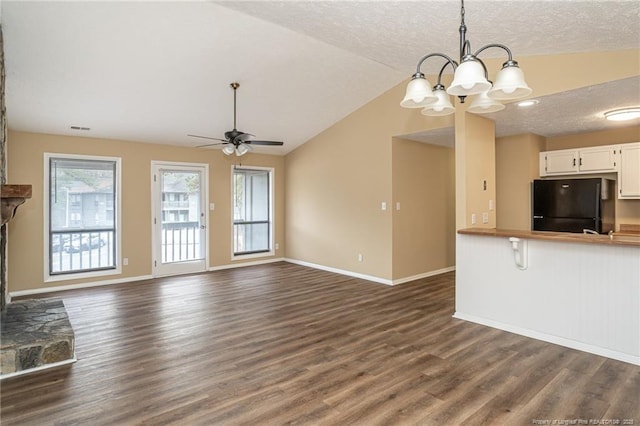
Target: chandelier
x,y
470,78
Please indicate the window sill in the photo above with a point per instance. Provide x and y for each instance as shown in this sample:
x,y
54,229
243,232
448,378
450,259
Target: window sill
x,y
82,275
253,255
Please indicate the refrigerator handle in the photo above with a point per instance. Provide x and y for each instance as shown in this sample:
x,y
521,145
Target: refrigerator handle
x,y
598,196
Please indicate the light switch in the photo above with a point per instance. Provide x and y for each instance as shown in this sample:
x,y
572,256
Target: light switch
x,y
398,205
212,206
383,206
490,205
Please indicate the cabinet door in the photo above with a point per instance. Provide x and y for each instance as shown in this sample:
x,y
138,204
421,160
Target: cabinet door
x,y
559,163
597,160
629,177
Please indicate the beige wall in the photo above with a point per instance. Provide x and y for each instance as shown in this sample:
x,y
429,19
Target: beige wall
x,y
475,170
517,159
337,181
424,227
26,165
627,211
334,183
623,134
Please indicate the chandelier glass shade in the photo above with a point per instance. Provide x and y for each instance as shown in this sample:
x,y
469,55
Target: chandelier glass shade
x,y
483,104
470,78
419,93
440,107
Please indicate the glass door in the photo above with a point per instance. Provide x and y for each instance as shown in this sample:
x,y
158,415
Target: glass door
x,y
179,222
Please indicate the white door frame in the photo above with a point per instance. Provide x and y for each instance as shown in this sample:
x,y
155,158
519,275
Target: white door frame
x,y
185,267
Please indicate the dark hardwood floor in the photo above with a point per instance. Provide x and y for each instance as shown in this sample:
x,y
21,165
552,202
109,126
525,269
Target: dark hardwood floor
x,y
285,344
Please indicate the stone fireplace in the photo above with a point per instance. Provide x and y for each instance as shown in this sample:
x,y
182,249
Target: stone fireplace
x,y
35,334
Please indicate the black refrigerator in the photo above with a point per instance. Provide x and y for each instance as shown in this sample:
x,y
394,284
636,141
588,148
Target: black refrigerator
x,y
573,205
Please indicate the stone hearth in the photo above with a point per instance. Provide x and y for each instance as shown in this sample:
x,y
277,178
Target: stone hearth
x,y
36,334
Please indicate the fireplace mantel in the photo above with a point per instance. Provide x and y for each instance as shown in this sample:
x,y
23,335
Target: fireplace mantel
x,y
12,196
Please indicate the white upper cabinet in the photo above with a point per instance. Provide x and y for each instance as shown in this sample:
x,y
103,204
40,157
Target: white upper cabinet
x,y
558,162
575,161
600,159
629,171
623,159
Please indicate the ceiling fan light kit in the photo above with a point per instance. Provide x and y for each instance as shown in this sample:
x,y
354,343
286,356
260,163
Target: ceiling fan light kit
x,y
235,141
470,78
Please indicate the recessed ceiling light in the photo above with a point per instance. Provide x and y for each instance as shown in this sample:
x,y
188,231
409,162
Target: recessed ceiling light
x,y
622,114
527,103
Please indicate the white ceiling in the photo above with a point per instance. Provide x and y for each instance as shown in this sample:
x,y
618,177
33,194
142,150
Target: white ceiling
x,y
155,71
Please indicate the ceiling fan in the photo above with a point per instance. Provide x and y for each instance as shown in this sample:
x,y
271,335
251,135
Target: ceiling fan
x,y
236,141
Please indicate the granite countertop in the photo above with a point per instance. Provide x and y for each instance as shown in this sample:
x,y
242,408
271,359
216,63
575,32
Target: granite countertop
x,y
619,238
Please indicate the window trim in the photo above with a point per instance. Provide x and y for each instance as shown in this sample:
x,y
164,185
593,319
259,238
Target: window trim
x,y
271,251
46,194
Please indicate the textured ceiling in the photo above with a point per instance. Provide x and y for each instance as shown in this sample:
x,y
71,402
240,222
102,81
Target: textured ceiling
x,y
155,71
574,111
397,33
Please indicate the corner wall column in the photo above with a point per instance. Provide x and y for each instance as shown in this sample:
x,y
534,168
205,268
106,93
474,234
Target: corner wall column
x,y
475,169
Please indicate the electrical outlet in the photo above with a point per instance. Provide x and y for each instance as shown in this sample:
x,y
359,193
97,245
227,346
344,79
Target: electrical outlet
x,y
125,261
491,205
473,219
398,205
277,246
360,257
485,217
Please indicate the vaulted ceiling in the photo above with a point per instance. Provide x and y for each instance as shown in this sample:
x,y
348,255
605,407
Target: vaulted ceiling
x,y
156,71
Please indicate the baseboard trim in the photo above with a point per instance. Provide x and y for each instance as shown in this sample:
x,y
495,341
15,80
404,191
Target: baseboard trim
x,y
596,350
20,293
340,271
40,368
243,264
424,275
372,278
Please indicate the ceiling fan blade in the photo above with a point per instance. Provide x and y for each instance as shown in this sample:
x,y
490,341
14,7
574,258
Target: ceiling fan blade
x,y
208,137
272,143
243,137
211,144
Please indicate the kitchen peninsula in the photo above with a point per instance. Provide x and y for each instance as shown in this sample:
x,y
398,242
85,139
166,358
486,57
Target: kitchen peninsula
x,y
575,290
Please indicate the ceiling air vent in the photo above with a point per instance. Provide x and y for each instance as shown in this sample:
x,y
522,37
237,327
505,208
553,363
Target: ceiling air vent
x,y
80,128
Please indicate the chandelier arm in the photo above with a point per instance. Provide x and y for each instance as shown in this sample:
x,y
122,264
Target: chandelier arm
x,y
501,46
453,63
442,70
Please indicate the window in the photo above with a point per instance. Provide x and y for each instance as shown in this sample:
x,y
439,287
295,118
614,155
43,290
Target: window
x,y
82,196
252,210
